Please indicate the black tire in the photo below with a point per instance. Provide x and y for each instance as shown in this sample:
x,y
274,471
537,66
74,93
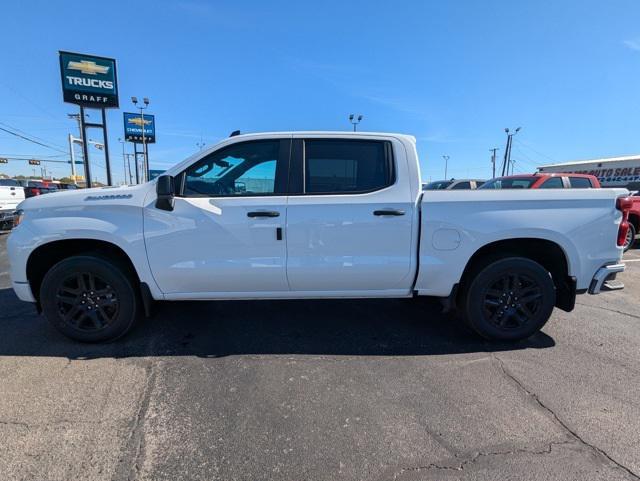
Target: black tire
x,y
89,299
631,237
508,282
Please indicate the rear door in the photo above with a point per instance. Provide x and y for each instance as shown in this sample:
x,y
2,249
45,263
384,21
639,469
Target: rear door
x,y
349,217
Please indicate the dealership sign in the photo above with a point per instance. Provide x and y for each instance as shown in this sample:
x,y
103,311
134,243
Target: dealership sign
x,y
134,125
88,80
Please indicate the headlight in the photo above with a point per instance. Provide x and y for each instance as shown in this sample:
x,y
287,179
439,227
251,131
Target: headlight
x,y
18,218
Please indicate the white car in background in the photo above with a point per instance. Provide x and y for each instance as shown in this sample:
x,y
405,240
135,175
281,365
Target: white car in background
x,y
11,194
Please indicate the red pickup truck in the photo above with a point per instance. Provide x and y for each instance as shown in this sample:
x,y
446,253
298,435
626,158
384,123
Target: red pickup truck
x,y
543,181
634,221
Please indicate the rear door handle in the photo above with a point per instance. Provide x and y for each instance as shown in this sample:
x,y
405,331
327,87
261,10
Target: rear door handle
x,y
263,213
388,212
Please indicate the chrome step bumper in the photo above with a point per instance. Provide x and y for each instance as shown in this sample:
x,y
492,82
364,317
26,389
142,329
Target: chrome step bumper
x,y
601,279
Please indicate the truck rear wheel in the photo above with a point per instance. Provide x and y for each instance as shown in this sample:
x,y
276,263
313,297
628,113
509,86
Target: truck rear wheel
x,y
89,299
509,299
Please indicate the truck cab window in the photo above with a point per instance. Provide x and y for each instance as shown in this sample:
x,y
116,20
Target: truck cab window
x,y
244,169
553,183
347,166
580,183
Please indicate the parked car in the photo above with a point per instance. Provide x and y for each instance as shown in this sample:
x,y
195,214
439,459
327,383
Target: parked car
x,y
634,221
453,184
544,181
313,215
62,186
10,196
33,188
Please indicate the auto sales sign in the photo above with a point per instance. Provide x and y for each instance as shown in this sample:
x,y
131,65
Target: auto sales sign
x,y
89,80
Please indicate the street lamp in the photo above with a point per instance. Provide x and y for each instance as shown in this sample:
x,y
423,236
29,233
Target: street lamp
x,y
355,120
507,150
446,163
145,153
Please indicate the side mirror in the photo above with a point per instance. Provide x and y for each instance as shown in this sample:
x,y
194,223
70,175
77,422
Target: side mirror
x,y
166,190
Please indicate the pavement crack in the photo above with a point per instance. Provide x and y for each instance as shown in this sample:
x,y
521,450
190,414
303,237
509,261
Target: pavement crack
x,y
557,419
616,311
15,423
134,448
461,465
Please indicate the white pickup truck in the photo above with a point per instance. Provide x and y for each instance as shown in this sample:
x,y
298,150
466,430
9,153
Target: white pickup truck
x,y
312,215
11,194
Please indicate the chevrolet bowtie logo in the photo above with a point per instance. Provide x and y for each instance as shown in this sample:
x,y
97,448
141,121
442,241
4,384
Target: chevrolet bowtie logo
x,y
138,121
88,67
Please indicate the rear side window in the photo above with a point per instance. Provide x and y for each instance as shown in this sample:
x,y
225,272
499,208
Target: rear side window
x,y
8,182
461,186
553,183
347,166
580,183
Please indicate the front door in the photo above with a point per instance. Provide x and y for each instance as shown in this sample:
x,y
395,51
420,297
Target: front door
x,y
224,236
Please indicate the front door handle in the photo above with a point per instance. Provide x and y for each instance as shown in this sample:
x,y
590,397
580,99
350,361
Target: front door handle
x,y
263,213
388,212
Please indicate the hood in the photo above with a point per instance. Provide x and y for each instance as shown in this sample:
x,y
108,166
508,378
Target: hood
x,y
124,195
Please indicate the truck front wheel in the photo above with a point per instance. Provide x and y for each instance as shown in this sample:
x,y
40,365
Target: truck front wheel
x,y
508,299
89,299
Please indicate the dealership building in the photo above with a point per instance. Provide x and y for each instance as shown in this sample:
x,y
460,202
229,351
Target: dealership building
x,y
610,171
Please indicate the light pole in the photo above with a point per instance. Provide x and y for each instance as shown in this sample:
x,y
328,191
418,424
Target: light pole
x,y
124,159
145,153
355,120
507,150
200,144
446,164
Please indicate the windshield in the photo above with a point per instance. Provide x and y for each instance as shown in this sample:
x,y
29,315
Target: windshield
x,y
438,185
510,183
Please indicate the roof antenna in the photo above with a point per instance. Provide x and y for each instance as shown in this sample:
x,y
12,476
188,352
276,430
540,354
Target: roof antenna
x,y
234,133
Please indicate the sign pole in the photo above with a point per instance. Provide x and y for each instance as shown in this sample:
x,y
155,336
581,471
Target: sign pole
x,y
85,149
106,147
135,161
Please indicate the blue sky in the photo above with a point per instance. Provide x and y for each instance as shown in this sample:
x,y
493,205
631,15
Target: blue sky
x,y
453,74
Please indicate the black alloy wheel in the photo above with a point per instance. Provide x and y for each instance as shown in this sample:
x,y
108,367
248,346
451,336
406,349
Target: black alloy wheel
x,y
512,300
87,302
90,298
508,299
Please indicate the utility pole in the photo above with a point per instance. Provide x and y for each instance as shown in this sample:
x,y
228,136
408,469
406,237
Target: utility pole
x,y
446,165
493,161
507,150
200,144
73,158
355,120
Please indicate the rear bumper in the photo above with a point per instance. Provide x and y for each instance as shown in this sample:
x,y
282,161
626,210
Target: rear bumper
x,y
602,275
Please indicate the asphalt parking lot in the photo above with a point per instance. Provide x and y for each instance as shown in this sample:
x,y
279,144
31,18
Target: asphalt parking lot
x,y
322,390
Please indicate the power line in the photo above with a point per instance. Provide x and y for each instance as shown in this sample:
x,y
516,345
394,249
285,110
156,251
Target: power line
x,y
534,150
31,140
28,134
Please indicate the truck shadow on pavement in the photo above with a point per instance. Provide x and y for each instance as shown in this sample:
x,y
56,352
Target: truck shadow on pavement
x,y
379,327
